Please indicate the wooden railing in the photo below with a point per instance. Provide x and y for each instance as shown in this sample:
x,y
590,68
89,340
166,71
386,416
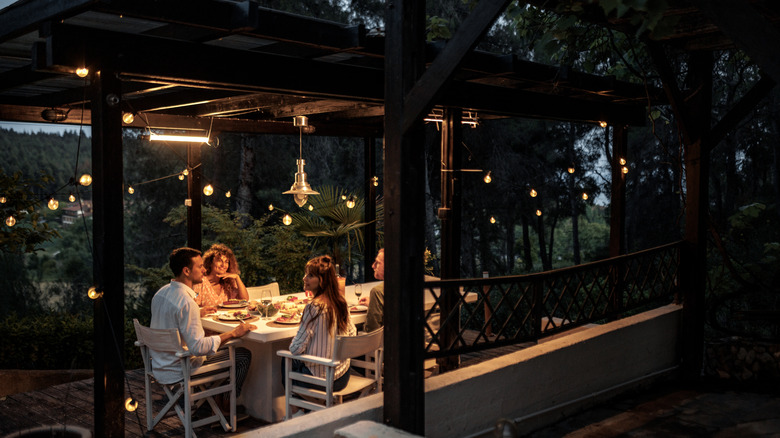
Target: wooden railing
x,y
525,308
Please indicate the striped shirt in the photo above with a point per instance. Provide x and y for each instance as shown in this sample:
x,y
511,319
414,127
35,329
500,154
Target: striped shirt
x,y
314,338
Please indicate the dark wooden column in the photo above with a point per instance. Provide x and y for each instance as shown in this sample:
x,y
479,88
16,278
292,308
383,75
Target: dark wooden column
x,y
108,262
404,395
194,231
369,216
693,266
450,215
617,206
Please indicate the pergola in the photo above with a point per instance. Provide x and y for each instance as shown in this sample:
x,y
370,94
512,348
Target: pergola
x,y
231,66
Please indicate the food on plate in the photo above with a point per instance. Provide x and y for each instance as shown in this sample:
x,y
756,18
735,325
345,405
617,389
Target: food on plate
x,y
356,309
292,298
292,319
233,302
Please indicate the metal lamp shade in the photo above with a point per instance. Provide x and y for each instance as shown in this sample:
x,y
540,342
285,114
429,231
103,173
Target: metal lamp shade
x,y
300,188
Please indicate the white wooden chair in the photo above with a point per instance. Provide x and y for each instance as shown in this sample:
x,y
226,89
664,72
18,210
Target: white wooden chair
x,y
254,291
344,347
195,389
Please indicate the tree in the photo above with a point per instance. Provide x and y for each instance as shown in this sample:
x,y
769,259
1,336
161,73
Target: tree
x,y
23,230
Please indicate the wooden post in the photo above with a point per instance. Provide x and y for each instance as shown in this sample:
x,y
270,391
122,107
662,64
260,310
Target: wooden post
x,y
450,216
108,261
404,394
194,215
617,216
369,216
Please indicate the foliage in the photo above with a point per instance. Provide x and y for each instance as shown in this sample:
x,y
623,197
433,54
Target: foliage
x,y
22,200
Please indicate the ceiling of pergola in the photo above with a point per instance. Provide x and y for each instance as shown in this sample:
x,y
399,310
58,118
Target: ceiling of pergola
x,y
233,66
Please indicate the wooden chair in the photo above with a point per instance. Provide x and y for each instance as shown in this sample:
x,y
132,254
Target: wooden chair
x,y
344,347
195,389
254,291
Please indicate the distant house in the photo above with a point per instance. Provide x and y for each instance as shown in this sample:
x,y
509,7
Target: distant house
x,y
74,212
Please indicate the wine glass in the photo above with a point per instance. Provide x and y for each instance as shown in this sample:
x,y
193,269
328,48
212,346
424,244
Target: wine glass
x,y
265,299
358,291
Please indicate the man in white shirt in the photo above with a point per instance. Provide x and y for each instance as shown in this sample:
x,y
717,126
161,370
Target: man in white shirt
x,y
173,306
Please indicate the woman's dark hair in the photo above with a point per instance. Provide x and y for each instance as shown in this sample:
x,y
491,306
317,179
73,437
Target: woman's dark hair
x,y
181,258
328,293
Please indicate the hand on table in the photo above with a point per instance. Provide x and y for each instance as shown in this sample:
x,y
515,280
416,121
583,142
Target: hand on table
x,y
363,301
207,310
243,329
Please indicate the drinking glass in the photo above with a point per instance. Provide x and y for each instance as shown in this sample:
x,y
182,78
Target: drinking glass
x,y
265,299
358,291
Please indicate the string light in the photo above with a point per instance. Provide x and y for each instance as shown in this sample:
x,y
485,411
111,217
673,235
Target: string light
x,y
351,202
93,293
375,180
82,72
128,118
343,197
287,219
130,190
538,212
10,221
185,172
208,190
571,169
603,124
622,161
3,200
624,170
131,404
227,194
85,180
533,193
181,176
53,204
487,178
71,198
492,219
584,196
311,207
270,207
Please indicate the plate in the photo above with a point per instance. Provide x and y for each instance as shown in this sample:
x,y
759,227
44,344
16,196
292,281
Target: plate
x,y
357,309
234,304
234,316
288,320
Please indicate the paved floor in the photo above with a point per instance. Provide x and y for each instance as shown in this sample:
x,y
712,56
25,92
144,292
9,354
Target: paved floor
x,y
706,409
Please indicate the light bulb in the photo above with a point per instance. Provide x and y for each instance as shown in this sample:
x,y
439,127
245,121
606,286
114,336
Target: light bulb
x,y
85,180
487,178
300,200
287,219
622,161
53,204
584,196
270,207
492,219
227,194
570,169
71,198
82,72
343,197
93,293
10,221
311,207
130,190
351,202
624,170
131,404
181,177
538,212
208,190
375,180
185,172
603,124
128,118
3,200
533,193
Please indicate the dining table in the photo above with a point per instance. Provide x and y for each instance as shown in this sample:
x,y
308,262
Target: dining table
x,y
262,393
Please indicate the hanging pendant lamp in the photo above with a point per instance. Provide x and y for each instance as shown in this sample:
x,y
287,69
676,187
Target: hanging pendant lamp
x,y
300,188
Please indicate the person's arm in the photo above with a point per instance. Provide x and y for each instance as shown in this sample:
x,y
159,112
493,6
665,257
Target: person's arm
x,y
240,330
240,290
376,307
305,330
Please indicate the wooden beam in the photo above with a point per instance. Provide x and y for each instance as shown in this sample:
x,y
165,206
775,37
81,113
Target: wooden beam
x,y
442,68
741,109
404,394
108,260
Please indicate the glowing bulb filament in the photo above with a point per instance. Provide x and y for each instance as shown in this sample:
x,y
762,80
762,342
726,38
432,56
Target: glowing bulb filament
x,y
93,293
53,204
533,193
82,72
208,190
131,404
85,180
287,219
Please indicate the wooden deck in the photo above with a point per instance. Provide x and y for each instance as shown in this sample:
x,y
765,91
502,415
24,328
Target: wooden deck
x,y
72,403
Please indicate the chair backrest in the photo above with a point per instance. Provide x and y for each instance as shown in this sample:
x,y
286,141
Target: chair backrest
x,y
346,347
254,291
158,339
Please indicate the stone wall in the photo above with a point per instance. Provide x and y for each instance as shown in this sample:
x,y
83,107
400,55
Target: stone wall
x,y
742,360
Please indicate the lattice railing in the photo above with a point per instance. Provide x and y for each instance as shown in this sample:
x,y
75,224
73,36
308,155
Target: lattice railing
x,y
517,309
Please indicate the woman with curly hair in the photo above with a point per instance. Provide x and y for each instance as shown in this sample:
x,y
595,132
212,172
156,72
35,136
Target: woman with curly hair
x,y
222,281
323,318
